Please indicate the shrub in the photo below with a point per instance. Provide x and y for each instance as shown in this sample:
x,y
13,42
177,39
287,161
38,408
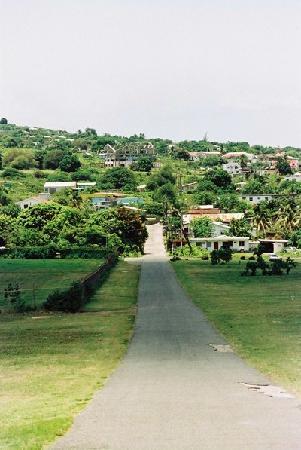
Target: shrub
x,y
69,300
10,172
12,296
193,251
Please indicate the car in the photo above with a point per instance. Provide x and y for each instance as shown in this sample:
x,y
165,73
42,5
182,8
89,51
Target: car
x,y
273,257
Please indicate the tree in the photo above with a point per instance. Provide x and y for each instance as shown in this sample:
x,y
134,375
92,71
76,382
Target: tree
x,y
205,198
19,158
283,166
211,161
7,226
165,194
143,164
220,178
180,153
240,227
118,178
164,176
3,121
69,163
202,227
53,158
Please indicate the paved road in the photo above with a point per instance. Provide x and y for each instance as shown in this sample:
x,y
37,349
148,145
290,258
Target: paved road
x,y
173,391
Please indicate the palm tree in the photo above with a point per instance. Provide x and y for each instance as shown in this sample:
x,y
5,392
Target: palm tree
x,y
262,219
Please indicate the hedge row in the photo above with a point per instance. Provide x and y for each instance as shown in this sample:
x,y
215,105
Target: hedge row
x,y
73,299
50,252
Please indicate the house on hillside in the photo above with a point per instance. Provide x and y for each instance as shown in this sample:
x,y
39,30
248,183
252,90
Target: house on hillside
x,y
238,155
295,177
131,201
255,199
189,187
55,186
84,185
233,168
196,156
124,155
32,201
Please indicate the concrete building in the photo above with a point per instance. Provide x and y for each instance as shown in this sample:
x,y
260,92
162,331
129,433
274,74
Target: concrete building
x,y
216,242
125,155
232,168
255,199
55,186
84,185
196,156
32,201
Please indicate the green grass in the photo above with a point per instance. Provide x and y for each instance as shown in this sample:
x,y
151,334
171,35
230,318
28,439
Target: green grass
x,y
38,277
260,316
51,365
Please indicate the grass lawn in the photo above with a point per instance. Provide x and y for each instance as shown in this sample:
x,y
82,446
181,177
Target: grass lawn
x,y
52,364
38,277
260,316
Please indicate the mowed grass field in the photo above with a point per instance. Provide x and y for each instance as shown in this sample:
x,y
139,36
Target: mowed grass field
x,y
38,277
51,364
259,316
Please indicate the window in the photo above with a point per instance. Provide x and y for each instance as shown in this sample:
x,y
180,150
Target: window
x,y
208,244
241,243
251,199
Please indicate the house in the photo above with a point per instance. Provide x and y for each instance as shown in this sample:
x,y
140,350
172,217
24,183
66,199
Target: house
x,y
293,162
32,201
104,199
123,155
214,214
55,186
220,228
273,245
196,156
295,177
130,201
216,242
103,202
141,187
255,199
232,168
189,187
237,155
84,185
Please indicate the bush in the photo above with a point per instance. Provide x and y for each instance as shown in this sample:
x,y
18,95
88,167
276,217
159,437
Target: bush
x,y
10,172
194,251
69,300
50,252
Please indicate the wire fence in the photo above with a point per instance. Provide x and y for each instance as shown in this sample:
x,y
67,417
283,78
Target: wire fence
x,y
35,294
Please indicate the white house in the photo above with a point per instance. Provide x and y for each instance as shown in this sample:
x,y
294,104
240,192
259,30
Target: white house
x,y
54,186
43,197
83,185
216,242
295,177
257,198
232,168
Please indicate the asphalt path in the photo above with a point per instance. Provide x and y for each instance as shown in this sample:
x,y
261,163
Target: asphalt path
x,y
172,391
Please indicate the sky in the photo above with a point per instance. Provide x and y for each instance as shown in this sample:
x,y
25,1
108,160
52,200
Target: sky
x,y
169,68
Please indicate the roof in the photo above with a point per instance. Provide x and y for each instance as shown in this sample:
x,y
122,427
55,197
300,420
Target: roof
x,y
36,198
129,200
277,241
54,184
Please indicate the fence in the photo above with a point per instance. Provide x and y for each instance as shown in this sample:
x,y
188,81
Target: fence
x,y
70,297
74,298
